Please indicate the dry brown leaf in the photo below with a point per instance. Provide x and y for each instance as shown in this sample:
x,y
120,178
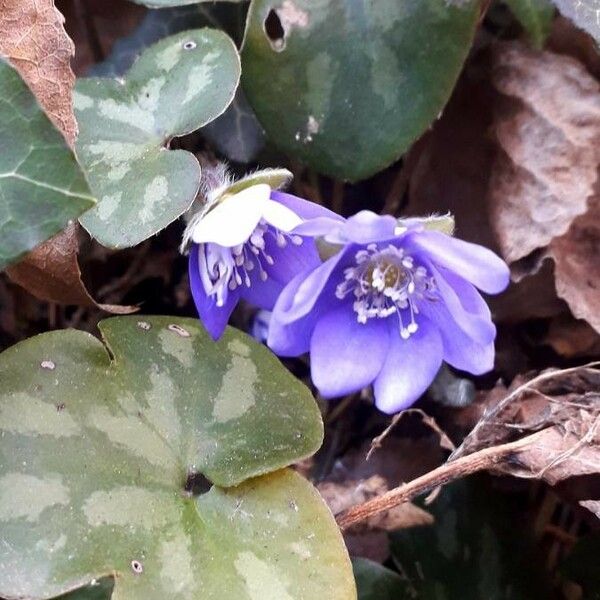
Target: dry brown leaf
x,y
559,412
577,270
572,338
33,37
592,505
549,130
343,495
51,273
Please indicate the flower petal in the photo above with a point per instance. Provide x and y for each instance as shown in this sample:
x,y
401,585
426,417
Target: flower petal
x,y
233,220
319,282
322,227
366,227
472,262
346,356
291,259
465,306
280,216
460,350
305,209
291,338
212,316
409,368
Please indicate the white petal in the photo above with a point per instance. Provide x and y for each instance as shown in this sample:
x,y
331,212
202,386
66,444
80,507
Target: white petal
x,y
234,219
280,216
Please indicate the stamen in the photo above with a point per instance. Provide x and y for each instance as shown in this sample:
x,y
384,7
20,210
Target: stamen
x,y
385,282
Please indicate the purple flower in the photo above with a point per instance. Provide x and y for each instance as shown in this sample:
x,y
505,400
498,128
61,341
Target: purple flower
x,y
395,301
242,247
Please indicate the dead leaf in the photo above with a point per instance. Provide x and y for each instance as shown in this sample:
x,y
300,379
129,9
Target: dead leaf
x,y
577,270
51,273
33,37
572,338
343,495
592,505
549,129
558,412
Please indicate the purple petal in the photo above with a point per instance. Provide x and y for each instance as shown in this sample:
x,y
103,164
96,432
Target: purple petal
x,y
346,356
212,316
291,259
291,338
322,227
474,263
465,306
304,208
322,281
460,351
262,294
409,368
366,227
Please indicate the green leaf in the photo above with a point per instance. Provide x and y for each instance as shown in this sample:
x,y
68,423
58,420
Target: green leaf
x,y
348,86
536,18
236,134
480,546
97,456
375,582
175,87
41,185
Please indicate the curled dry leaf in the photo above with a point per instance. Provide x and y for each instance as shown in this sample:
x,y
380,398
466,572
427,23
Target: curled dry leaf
x,y
577,270
343,495
32,36
592,505
51,273
549,129
556,416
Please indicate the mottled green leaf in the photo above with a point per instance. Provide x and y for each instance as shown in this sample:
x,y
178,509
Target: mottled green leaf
x,y
375,582
236,134
41,185
584,13
536,18
348,86
480,546
97,452
175,87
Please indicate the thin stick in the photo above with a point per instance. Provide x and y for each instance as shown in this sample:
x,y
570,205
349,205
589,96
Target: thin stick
x,y
450,471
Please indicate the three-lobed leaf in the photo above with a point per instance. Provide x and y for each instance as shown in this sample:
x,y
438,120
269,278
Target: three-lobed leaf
x,y
347,87
102,450
42,187
175,87
237,133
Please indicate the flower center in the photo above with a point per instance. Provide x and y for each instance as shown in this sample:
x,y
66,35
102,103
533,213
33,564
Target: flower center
x,y
386,282
225,269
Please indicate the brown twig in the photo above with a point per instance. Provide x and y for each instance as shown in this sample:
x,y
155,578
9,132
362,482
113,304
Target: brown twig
x,y
450,471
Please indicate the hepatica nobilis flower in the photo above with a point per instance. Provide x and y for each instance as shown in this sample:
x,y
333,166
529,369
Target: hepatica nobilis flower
x,y
241,246
396,300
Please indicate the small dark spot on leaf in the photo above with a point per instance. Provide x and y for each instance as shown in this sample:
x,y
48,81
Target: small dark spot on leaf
x,y
137,567
275,32
189,45
196,484
60,407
